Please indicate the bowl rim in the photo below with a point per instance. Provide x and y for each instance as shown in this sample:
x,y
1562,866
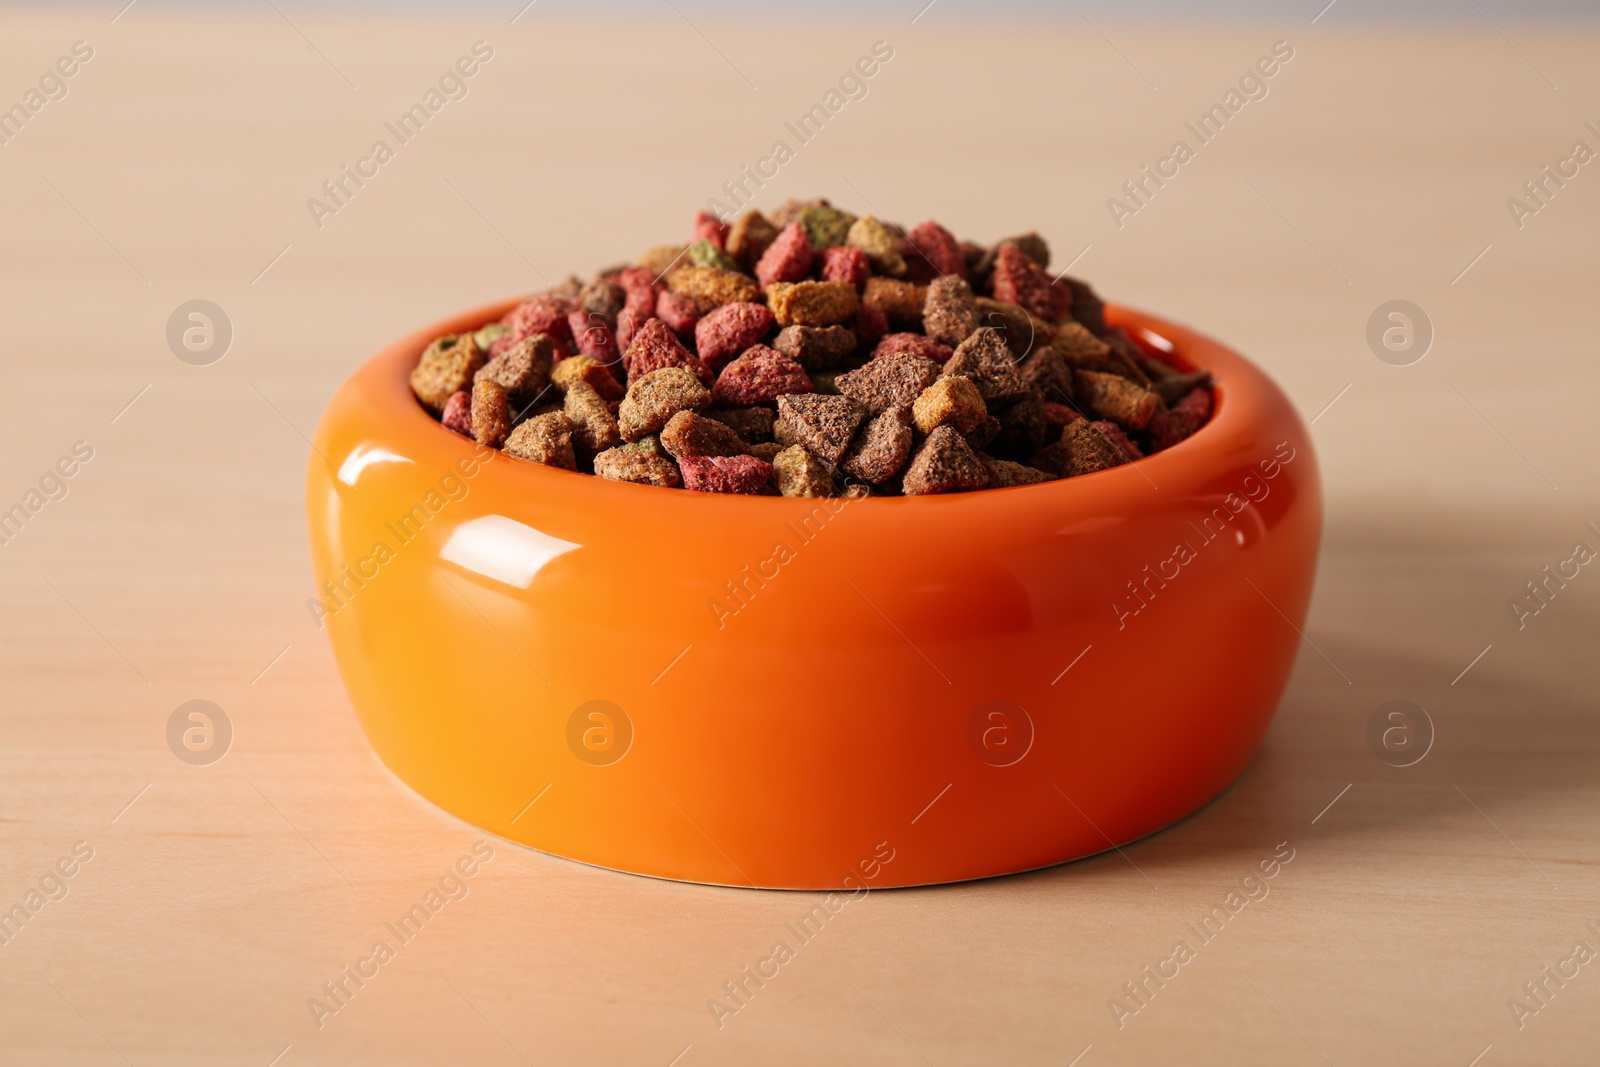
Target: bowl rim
x,y
1239,390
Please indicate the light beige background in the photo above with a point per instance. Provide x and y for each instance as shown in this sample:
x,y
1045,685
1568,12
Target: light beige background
x,y
1377,168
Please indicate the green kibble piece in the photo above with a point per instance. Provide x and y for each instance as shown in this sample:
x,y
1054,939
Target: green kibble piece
x,y
491,333
705,254
826,225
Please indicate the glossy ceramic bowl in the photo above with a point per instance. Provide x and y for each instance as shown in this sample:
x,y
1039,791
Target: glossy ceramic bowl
x,y
763,691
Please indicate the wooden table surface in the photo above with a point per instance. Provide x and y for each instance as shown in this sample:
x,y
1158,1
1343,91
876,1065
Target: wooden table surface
x,y
218,899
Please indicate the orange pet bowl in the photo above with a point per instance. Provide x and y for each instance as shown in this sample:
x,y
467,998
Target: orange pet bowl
x,y
805,694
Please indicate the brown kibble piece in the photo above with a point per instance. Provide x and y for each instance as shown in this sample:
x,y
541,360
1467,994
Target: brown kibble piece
x,y
767,450
523,370
544,439
1003,474
1127,358
882,447
661,259
688,434
711,288
1023,332
1128,405
944,464
752,424
447,367
949,311
1023,428
654,399
1173,389
812,303
826,381
1082,349
950,401
815,347
632,464
783,433
602,298
888,381
1048,374
1087,308
824,424
591,372
491,417
992,367
901,302
1081,450
752,232
797,472
594,428
986,431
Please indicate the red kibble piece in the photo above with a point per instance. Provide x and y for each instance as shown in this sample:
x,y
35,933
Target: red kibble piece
x,y
1197,401
707,227
656,347
1115,435
458,414
787,259
639,291
729,330
869,325
725,474
628,328
1017,279
913,344
759,376
679,312
638,287
1170,427
592,336
1060,414
541,314
932,250
841,263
